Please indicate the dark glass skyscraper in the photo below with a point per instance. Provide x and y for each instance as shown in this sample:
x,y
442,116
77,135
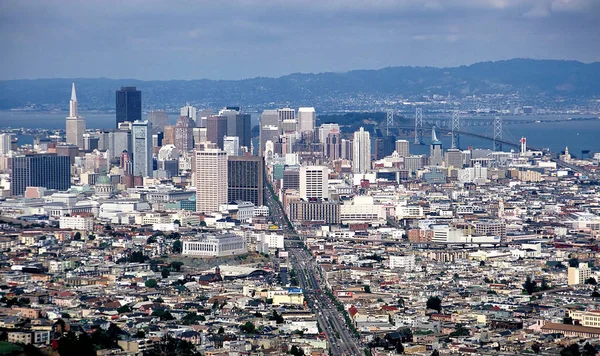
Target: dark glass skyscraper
x,y
129,105
40,170
245,179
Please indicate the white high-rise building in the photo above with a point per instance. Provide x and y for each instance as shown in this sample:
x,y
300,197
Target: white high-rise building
x,y
188,111
142,148
75,123
403,148
325,129
306,119
361,149
231,145
286,114
5,143
211,180
313,182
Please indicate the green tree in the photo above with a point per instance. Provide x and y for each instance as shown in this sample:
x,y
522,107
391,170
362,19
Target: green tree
x,y
296,351
529,285
434,303
151,283
536,348
248,327
367,289
573,262
176,265
123,309
165,273
435,353
91,237
221,330
589,350
399,348
571,350
77,236
177,246
177,222
591,281
140,334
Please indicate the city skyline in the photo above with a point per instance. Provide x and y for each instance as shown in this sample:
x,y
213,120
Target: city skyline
x,y
336,36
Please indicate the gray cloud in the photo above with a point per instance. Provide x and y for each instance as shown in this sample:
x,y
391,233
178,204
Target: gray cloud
x,y
152,39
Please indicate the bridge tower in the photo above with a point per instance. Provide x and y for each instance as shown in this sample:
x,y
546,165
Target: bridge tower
x,y
497,133
390,121
455,129
418,126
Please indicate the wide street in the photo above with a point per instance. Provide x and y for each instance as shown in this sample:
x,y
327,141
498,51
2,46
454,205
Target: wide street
x,y
341,338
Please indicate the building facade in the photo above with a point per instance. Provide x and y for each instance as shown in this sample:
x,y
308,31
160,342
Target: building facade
x,y
128,105
216,246
211,180
245,179
40,170
361,149
142,148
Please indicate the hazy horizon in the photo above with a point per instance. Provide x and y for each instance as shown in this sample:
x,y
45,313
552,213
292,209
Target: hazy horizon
x,y
159,40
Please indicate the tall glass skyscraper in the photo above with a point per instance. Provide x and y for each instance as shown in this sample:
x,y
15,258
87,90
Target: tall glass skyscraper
x,y
129,105
40,170
245,179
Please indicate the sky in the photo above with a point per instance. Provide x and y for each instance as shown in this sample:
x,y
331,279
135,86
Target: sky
x,y
236,39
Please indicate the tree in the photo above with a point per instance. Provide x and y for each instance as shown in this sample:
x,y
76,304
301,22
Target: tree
x,y
123,309
595,294
177,222
296,351
91,237
573,262
536,348
248,327
481,264
589,350
571,350
591,281
399,348
434,303
177,246
435,353
529,285
459,330
77,236
367,289
151,283
152,239
172,346
165,273
176,265
140,334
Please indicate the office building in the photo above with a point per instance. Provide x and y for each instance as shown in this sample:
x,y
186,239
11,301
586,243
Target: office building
x,y
238,124
347,149
184,134
384,146
158,119
403,148
436,152
317,210
188,111
40,170
307,117
216,129
361,151
270,118
414,162
289,126
325,129
75,123
71,151
90,142
286,114
231,145
5,143
578,275
313,182
142,148
291,179
267,133
168,135
333,146
128,105
211,180
118,141
245,177
453,158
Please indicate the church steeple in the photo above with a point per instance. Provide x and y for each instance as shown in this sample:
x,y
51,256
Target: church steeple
x,y
73,102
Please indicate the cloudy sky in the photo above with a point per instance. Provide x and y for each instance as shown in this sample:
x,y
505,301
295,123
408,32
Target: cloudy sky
x,y
232,39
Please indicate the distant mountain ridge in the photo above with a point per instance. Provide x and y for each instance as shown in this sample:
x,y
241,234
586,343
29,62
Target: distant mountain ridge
x,y
527,77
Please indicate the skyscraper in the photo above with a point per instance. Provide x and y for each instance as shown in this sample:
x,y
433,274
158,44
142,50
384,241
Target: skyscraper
x,y
333,147
453,158
128,105
188,111
216,129
270,117
184,134
361,151
142,148
5,143
211,180
75,123
245,176
286,114
306,119
325,129
436,154
238,124
231,145
313,182
158,119
267,133
40,170
402,148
